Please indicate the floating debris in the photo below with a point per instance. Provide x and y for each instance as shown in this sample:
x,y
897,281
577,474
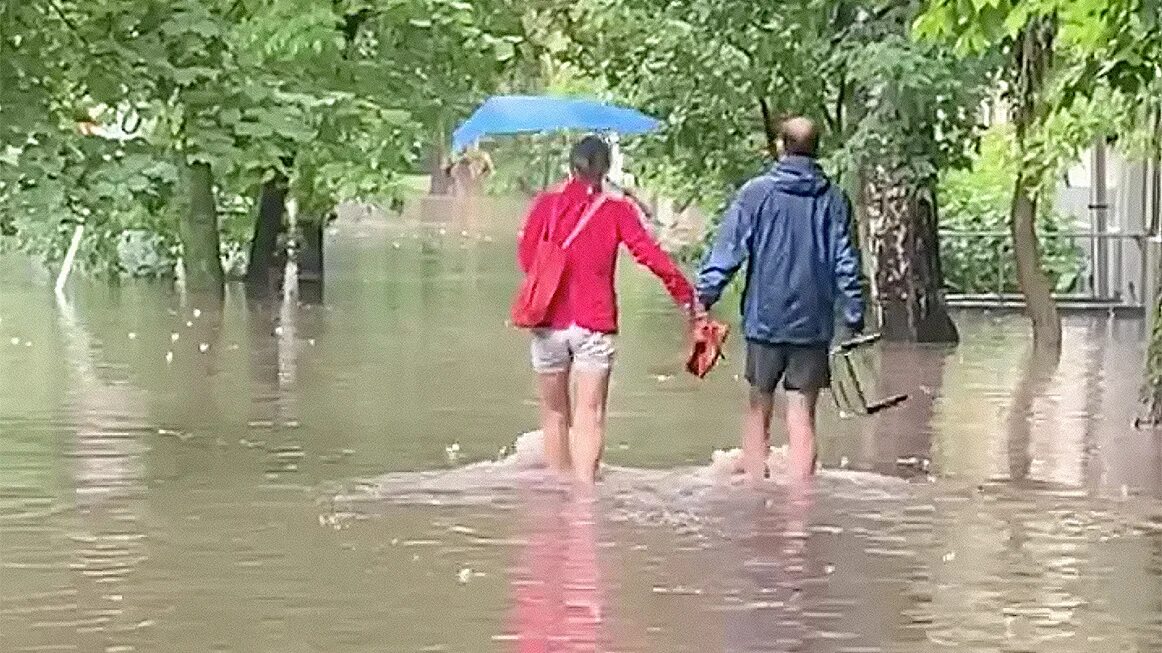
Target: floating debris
x,y
914,462
197,313
678,590
949,557
452,451
189,324
465,575
662,378
132,336
204,347
311,342
278,330
173,337
168,357
15,342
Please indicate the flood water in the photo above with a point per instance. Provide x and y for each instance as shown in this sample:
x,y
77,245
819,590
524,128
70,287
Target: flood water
x,y
351,476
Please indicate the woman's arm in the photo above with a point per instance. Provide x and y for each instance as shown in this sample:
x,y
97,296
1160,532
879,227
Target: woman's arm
x,y
650,254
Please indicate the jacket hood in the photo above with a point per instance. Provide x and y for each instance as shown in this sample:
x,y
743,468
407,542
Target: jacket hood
x,y
800,175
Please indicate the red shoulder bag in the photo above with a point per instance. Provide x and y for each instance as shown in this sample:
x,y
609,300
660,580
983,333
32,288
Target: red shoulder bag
x,y
530,307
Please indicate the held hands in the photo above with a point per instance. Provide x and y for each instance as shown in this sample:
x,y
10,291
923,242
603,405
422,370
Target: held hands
x,y
695,312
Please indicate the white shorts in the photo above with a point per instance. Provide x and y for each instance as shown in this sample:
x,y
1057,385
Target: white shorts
x,y
556,350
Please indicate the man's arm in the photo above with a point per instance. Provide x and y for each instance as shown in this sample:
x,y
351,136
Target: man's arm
x,y
731,246
846,263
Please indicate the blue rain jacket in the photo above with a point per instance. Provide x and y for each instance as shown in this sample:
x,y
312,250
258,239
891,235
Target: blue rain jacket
x,y
791,226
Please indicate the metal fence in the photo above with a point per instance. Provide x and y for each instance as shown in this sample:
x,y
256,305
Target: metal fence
x,y
1100,270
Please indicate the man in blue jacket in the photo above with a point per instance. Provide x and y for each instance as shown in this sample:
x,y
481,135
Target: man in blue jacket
x,y
790,225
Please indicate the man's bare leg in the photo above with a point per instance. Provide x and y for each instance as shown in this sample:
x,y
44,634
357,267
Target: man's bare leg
x,y
801,432
756,436
589,438
554,393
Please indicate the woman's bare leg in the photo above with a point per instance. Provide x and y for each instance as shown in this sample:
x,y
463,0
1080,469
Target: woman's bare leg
x,y
555,422
589,439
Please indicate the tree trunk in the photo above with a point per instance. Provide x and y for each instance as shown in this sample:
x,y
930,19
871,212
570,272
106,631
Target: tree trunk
x,y
1039,304
769,128
267,226
1152,390
440,182
1032,60
909,282
198,230
856,189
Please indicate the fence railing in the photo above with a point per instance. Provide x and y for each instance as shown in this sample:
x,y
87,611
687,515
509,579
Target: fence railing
x,y
1109,269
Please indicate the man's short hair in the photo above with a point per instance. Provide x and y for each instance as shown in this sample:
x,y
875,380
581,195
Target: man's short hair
x,y
590,159
800,136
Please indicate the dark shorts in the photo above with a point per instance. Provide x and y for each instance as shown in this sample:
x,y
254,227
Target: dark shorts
x,y
800,367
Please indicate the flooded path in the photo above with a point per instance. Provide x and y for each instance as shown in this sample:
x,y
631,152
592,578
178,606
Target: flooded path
x,y
348,477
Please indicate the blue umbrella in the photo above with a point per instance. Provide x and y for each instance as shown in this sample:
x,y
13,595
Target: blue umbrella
x,y
516,114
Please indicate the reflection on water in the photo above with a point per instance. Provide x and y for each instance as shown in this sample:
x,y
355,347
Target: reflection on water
x,y
556,586
278,477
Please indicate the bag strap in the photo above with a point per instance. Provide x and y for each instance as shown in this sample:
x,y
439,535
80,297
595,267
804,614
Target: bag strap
x,y
584,219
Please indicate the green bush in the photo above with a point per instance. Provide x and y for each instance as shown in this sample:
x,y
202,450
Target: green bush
x,y
977,200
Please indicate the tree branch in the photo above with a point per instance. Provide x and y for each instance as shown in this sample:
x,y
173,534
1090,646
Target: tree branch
x,y
769,128
65,19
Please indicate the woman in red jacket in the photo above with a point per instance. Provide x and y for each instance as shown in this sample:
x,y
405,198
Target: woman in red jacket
x,y
576,337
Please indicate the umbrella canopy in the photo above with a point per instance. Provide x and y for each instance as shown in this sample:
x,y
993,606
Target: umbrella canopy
x,y
516,114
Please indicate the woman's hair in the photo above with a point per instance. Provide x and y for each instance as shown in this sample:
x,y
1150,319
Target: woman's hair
x,y
590,160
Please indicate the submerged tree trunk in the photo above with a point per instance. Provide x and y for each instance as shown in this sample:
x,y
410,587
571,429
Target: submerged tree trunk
x,y
1036,375
909,282
262,270
310,261
903,435
198,230
1035,286
1153,387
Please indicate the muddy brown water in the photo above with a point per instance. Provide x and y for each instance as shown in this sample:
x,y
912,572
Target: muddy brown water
x,y
343,477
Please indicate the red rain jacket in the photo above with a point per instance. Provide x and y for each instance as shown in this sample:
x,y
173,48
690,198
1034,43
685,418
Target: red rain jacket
x,y
586,296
